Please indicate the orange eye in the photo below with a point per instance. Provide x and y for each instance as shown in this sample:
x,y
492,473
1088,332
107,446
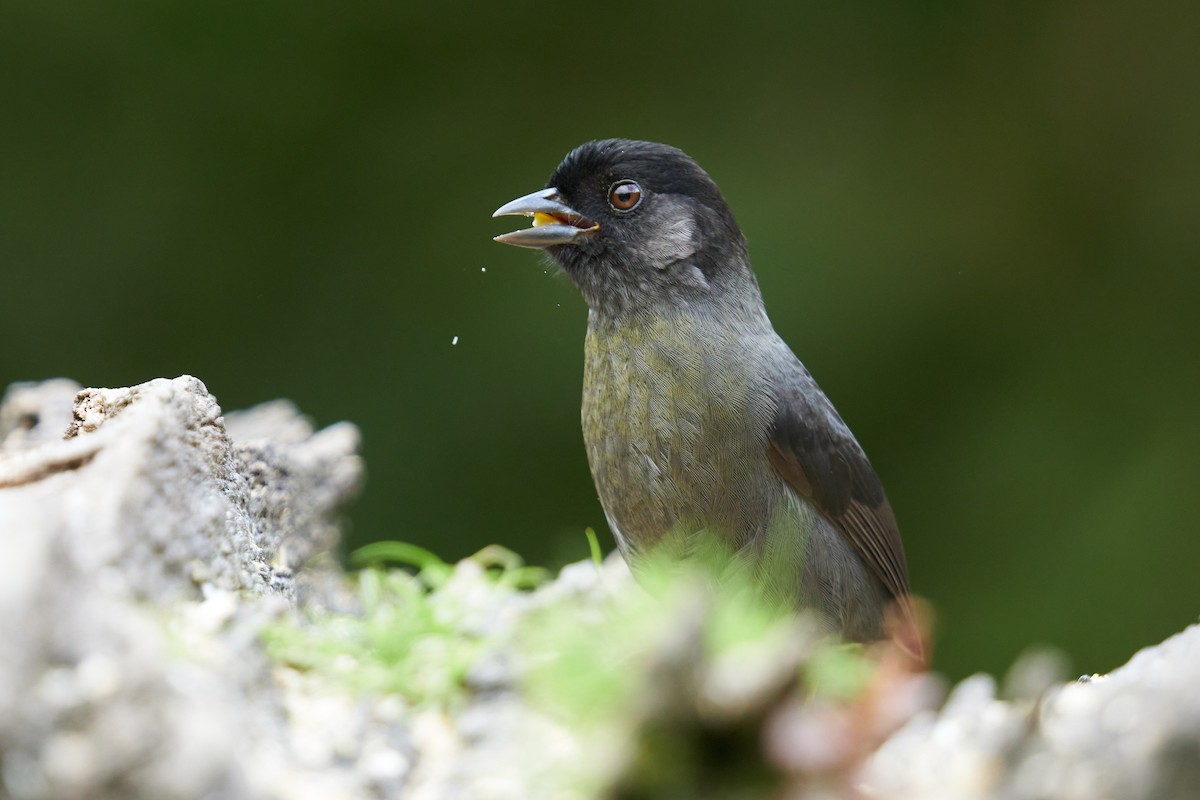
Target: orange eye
x,y
624,195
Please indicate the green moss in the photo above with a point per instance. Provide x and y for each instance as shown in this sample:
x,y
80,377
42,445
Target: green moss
x,y
413,636
667,690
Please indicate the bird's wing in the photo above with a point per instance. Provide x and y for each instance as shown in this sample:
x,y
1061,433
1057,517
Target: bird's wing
x,y
815,452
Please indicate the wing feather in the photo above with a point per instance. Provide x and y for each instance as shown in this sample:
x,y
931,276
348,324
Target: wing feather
x,y
811,447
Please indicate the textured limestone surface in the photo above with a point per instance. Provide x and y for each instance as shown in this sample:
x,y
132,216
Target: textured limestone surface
x,y
144,538
1134,733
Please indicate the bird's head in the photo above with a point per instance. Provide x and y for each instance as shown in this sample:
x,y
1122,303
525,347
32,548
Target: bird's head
x,y
636,225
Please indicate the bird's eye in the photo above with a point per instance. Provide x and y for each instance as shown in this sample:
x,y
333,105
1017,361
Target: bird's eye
x,y
624,195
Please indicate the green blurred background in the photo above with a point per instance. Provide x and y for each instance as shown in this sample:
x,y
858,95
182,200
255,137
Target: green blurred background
x,y
977,223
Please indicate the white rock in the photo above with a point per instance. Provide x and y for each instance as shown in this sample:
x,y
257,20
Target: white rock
x,y
133,533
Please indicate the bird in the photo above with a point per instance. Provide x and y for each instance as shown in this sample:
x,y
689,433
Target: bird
x,y
698,419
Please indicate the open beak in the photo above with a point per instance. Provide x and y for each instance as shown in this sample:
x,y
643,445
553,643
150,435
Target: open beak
x,y
554,222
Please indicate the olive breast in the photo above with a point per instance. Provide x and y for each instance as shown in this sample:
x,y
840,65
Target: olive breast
x,y
675,418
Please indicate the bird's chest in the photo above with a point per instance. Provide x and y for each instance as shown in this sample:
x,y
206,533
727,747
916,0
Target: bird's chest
x,y
675,424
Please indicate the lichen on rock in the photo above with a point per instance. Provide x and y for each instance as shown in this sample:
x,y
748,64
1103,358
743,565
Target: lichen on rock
x,y
130,524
